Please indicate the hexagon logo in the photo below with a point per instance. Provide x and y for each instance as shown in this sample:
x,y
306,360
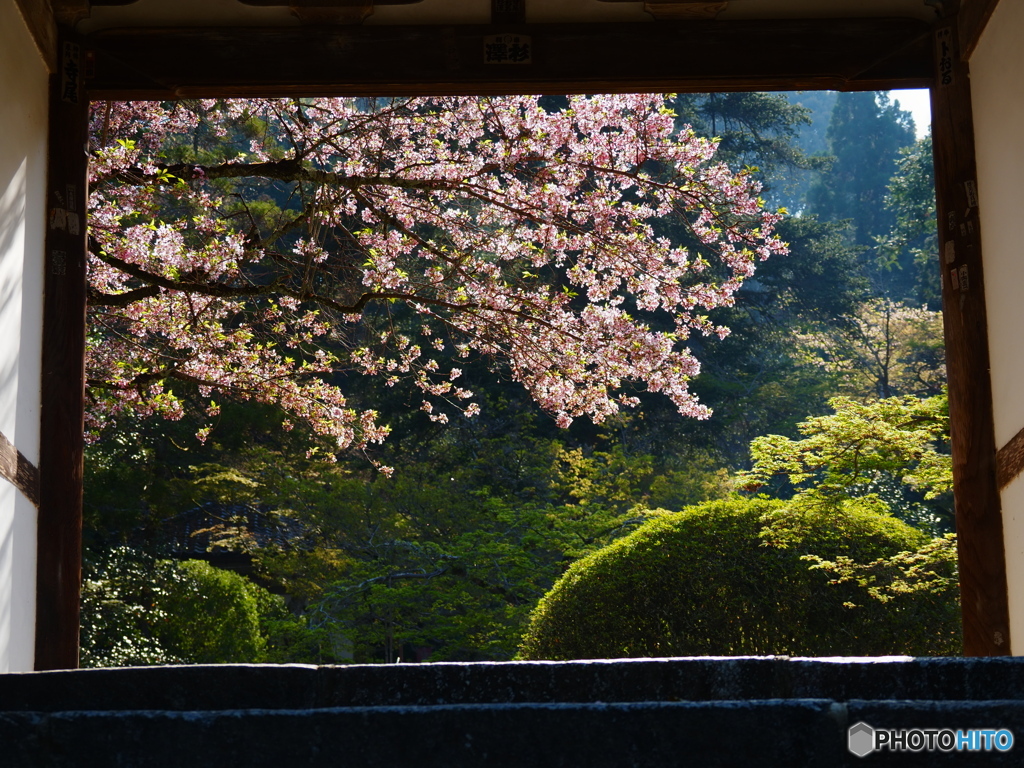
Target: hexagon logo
x,y
860,739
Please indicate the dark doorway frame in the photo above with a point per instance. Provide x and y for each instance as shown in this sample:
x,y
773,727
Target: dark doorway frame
x,y
837,54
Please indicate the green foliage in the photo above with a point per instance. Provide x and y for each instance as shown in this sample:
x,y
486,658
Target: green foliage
x,y
139,610
882,449
611,478
791,188
216,616
465,598
448,558
421,561
909,250
729,578
121,611
929,571
449,555
885,349
865,135
754,128
758,379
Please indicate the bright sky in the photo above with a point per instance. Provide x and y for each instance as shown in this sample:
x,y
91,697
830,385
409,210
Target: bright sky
x,y
918,104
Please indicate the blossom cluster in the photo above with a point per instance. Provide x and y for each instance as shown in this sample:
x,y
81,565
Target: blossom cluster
x,y
257,249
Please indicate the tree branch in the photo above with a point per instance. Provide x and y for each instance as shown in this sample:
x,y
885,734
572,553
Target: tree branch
x,y
219,290
291,169
98,299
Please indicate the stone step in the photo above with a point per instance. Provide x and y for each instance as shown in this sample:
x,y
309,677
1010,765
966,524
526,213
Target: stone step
x,y
650,712
300,686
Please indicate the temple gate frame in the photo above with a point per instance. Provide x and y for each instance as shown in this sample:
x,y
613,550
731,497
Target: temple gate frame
x,y
671,55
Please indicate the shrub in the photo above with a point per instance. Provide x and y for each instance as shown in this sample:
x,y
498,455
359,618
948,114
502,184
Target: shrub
x,y
139,610
120,617
734,577
214,616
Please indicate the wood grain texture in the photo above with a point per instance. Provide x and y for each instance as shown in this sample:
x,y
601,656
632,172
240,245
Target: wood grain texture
x,y
59,560
667,9
336,12
38,15
300,3
1010,461
848,54
18,470
971,20
979,522
70,12
508,11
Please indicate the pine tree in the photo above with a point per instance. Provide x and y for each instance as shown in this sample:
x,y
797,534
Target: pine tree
x,y
865,135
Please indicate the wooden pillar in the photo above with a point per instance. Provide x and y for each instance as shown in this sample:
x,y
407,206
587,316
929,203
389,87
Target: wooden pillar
x,y
59,565
979,521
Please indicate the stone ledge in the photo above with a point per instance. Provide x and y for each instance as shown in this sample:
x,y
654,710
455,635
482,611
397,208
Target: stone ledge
x,y
782,732
228,687
743,711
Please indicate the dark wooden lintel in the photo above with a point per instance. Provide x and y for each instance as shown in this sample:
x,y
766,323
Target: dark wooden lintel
x,y
979,524
845,54
671,9
508,11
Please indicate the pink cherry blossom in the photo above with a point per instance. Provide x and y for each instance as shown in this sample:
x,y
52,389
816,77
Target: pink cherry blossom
x,y
533,237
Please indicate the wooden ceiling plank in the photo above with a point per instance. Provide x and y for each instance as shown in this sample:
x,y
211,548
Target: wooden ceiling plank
x,y
851,54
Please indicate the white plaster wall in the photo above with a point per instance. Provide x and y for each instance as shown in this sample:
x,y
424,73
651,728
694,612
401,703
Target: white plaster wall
x,y
997,88
23,111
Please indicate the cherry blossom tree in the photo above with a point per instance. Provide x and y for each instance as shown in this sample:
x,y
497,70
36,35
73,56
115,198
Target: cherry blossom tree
x,y
268,249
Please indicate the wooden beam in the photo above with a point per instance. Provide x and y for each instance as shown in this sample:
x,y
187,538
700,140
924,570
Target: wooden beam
x,y
59,560
508,11
1010,461
283,3
326,11
70,12
16,469
847,54
979,524
971,20
669,9
331,11
38,15
680,9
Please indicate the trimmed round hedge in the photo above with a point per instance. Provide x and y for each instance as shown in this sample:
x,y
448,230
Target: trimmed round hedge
x,y
708,581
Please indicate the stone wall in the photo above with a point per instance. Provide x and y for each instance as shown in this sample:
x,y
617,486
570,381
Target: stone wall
x,y
641,712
